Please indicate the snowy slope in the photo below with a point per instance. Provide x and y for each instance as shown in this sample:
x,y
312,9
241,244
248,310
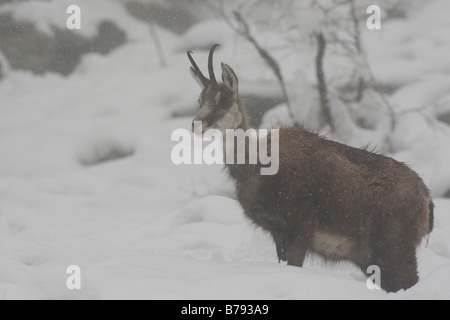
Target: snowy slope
x,y
142,228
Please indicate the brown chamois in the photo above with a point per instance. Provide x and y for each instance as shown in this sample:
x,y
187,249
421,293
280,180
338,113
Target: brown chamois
x,y
327,198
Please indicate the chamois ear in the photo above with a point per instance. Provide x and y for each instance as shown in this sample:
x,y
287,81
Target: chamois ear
x,y
229,78
198,78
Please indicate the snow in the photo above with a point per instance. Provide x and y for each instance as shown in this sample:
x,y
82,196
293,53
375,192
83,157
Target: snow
x,y
218,32
140,227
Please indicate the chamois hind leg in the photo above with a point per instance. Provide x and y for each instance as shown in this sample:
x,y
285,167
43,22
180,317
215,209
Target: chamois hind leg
x,y
398,267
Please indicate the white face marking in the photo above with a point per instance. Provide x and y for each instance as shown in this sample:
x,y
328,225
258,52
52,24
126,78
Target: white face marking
x,y
202,114
231,120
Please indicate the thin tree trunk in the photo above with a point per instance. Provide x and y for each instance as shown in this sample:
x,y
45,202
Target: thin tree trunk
x,y
323,90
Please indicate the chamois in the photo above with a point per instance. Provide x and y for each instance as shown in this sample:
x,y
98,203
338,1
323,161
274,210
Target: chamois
x,y
327,198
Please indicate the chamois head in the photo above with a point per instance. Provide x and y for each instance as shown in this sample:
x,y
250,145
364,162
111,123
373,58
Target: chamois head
x,y
220,105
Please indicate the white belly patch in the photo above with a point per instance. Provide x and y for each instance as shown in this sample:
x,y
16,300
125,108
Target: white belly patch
x,y
331,245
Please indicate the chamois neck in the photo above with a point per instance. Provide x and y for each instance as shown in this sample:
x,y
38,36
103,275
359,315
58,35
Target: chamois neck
x,y
241,106
240,172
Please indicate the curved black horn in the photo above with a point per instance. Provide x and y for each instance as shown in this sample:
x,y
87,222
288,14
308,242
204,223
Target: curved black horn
x,y
196,68
212,78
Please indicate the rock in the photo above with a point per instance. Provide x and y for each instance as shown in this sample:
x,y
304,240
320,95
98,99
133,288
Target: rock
x,y
26,48
447,194
444,117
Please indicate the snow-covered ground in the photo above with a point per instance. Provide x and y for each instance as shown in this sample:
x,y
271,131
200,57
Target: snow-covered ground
x,y
142,228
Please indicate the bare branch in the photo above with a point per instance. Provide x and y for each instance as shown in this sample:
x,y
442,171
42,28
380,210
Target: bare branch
x,y
323,90
358,46
244,31
383,97
158,47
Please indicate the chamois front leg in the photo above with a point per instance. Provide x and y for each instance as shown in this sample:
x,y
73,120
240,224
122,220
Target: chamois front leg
x,y
280,244
292,246
300,227
297,248
293,237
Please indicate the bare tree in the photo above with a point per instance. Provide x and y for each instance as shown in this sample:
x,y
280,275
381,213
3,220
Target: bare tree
x,y
322,85
336,28
244,31
357,53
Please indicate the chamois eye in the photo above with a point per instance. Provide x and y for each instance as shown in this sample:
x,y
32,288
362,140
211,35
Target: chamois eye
x,y
218,96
